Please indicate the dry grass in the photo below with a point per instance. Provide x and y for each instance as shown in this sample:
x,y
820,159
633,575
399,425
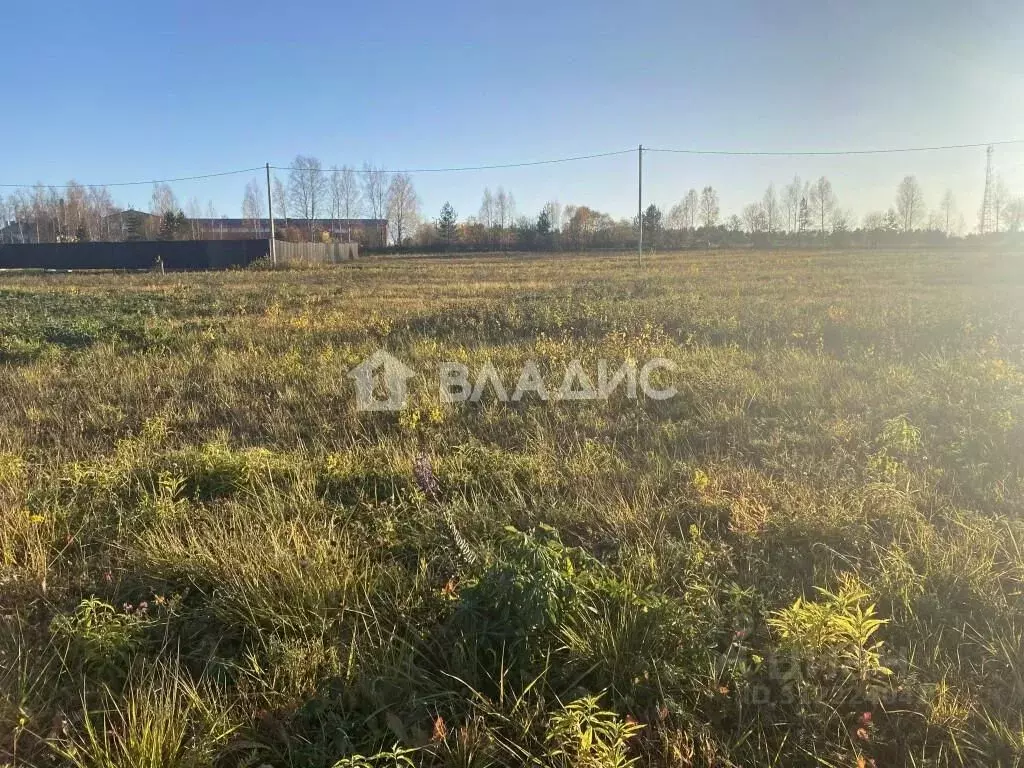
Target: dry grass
x,y
812,555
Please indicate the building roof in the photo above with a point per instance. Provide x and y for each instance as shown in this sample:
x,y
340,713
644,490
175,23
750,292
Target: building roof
x,y
226,221
231,222
18,226
131,211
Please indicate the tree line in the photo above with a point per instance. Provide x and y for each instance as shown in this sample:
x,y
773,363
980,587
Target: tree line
x,y
803,213
78,213
800,213
307,196
46,214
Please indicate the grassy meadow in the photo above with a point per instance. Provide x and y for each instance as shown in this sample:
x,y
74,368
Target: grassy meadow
x,y
812,555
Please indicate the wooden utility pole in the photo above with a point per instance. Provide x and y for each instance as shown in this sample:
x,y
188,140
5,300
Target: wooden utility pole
x,y
270,212
640,203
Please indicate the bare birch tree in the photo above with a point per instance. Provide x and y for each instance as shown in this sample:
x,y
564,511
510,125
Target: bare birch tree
x,y
75,209
770,203
194,212
163,200
947,212
691,208
101,209
375,193
874,221
709,207
504,213
252,204
822,200
308,189
350,196
791,200
403,207
553,209
486,215
6,218
20,210
212,230
1014,214
909,203
755,218
334,187
280,200
683,215
676,218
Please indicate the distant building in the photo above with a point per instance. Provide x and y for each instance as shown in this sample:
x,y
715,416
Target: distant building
x,y
131,225
18,232
135,225
368,232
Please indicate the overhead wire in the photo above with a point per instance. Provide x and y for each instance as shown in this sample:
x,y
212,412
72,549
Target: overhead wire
x,y
833,152
534,163
139,183
456,169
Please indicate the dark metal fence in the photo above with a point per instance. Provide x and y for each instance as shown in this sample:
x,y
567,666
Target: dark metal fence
x,y
144,254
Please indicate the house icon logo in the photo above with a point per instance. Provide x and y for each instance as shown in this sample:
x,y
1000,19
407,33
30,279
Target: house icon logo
x,y
394,374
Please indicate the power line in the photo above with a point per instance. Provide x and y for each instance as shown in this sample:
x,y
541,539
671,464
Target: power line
x,y
468,167
831,152
534,163
135,183
325,170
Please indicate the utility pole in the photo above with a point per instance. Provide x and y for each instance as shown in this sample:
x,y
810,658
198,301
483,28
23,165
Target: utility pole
x,y
270,211
640,203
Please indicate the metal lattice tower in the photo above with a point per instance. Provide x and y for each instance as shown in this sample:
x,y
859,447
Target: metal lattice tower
x,y
987,223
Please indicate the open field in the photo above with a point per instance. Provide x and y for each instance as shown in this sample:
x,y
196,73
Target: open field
x,y
812,555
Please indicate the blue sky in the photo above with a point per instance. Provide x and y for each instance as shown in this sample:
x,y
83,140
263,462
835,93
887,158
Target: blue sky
x,y
114,91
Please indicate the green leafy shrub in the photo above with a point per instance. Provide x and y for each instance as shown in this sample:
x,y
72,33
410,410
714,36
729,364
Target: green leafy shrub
x,y
583,735
509,615
100,635
829,651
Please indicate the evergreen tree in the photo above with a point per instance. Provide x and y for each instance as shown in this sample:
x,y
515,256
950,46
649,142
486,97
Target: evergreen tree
x,y
181,226
652,224
544,223
652,218
446,224
173,226
167,226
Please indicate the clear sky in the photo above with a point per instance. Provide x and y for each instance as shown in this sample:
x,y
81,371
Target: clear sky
x,y
114,91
